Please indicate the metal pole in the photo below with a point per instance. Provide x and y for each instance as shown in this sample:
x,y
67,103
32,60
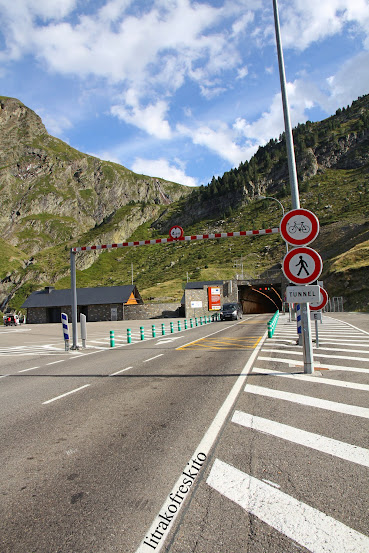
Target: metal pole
x,y
305,311
316,333
73,285
287,122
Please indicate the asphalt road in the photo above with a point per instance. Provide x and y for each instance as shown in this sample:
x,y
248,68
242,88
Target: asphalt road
x,y
93,441
207,440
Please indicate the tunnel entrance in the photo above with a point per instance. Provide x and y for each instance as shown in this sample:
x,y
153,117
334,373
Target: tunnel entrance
x,y
260,298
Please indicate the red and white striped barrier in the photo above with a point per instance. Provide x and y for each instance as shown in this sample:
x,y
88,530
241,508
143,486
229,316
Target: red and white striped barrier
x,y
182,239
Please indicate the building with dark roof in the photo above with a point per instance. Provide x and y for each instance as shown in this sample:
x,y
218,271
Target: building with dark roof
x,y
196,296
103,303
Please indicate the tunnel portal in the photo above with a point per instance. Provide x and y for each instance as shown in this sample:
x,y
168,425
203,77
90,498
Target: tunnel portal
x,y
262,297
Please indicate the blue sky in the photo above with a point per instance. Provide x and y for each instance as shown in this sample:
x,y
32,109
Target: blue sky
x,y
180,89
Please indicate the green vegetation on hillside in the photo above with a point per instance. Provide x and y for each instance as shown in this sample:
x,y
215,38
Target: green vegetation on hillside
x,y
333,166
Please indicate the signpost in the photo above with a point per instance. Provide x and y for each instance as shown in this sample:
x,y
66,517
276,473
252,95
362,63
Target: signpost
x,y
176,232
299,227
303,294
317,306
302,265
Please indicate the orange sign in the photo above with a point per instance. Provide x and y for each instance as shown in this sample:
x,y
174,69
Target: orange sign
x,y
214,298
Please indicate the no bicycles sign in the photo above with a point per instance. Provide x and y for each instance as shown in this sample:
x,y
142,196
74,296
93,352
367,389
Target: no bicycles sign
x,y
299,227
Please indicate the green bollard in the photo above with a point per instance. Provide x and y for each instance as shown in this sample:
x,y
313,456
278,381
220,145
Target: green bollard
x,y
112,339
171,328
142,332
129,336
162,329
153,331
196,322
179,326
200,321
185,321
191,323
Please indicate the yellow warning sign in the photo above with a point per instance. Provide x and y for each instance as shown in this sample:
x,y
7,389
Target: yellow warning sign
x,y
250,342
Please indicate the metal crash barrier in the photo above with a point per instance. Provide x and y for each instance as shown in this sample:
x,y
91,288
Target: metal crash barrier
x,y
272,324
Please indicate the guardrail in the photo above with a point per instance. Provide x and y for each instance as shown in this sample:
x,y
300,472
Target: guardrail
x,y
272,324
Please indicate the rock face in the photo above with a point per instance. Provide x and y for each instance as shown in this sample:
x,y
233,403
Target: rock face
x,y
52,192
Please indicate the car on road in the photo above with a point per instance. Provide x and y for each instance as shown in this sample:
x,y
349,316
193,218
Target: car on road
x,y
11,319
231,311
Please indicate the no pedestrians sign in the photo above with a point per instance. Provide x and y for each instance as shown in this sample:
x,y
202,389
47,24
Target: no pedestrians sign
x,y
302,265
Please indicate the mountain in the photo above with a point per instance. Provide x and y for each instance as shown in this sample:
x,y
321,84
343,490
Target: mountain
x,y
54,197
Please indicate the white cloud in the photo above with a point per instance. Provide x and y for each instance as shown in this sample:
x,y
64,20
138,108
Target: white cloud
x,y
163,169
150,118
306,22
220,139
351,81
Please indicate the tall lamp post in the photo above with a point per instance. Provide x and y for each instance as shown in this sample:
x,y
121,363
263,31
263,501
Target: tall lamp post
x,y
260,197
305,310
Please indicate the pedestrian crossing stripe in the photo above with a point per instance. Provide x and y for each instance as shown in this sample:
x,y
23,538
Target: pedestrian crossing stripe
x,y
300,522
249,342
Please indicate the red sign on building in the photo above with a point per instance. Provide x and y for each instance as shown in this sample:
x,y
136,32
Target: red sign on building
x,y
214,298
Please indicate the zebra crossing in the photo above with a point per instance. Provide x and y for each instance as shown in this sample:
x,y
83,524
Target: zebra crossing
x,y
322,418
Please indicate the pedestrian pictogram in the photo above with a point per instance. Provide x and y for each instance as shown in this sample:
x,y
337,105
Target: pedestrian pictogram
x,y
317,306
302,265
299,227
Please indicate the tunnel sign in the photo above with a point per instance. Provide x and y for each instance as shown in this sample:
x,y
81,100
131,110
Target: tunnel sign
x,y
303,294
299,227
302,265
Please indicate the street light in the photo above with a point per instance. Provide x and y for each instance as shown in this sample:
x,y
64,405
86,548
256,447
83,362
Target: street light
x,y
260,197
270,198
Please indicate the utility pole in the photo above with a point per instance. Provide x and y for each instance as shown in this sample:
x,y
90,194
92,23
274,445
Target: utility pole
x,y
132,272
305,310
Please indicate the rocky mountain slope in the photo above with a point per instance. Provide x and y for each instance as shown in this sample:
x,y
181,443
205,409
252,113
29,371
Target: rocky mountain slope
x,y
54,197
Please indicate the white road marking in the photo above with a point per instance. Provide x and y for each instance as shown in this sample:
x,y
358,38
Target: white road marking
x,y
121,371
4,375
30,369
343,450
168,340
316,379
317,364
352,326
205,444
66,394
325,348
310,401
54,362
151,358
317,354
310,528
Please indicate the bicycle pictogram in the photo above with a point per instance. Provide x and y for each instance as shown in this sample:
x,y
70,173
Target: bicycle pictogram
x,y
302,227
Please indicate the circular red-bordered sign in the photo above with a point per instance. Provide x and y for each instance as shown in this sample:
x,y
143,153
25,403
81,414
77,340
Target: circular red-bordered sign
x,y
299,227
176,232
302,265
317,306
